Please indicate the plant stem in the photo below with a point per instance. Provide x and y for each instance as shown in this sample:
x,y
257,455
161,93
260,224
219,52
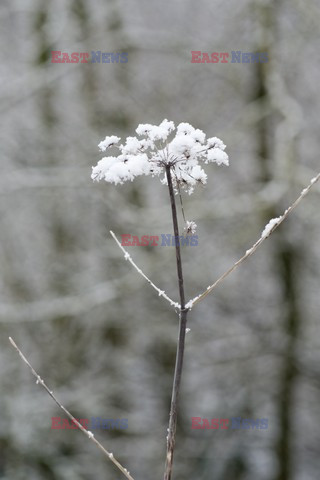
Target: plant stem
x,y
89,434
181,339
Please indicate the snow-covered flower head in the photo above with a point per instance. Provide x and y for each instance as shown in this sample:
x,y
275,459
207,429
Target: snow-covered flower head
x,y
157,150
190,228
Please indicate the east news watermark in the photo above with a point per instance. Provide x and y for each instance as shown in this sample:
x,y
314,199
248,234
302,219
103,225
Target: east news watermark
x,y
233,423
163,240
57,56
235,56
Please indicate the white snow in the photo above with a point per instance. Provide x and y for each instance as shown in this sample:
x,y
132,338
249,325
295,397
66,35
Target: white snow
x,y
216,142
155,132
182,145
269,226
151,155
191,227
218,156
108,142
191,302
198,135
133,146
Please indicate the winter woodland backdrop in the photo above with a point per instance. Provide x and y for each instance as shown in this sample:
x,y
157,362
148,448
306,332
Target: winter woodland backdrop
x,y
93,328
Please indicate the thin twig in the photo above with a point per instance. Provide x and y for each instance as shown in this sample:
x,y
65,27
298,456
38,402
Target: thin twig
x,y
181,340
182,209
75,421
249,252
161,293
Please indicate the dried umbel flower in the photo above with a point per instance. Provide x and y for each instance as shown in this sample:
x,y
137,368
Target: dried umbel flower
x,y
159,149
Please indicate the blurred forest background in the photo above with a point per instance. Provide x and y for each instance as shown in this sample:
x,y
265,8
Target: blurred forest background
x,y
99,336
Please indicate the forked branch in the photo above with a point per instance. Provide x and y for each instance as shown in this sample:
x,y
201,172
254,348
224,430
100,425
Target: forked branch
x,y
249,252
127,256
74,420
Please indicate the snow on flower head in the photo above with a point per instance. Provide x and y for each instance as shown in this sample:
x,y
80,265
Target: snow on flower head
x,y
154,132
158,150
182,145
108,142
218,156
185,129
191,227
216,143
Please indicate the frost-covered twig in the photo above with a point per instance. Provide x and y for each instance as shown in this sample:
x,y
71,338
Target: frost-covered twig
x,y
269,229
74,420
161,293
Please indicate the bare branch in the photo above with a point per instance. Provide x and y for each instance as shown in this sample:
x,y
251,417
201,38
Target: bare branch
x,y
161,293
249,252
75,421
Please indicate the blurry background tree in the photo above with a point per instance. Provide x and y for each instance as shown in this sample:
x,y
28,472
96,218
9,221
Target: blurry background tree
x,y
80,312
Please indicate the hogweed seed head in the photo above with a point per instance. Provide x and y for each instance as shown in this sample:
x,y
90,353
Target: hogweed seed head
x,y
157,150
